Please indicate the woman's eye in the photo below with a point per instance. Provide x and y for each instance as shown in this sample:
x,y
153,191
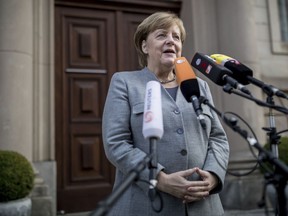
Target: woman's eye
x,y
177,37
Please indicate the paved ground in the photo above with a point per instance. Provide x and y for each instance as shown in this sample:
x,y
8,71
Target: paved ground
x,y
256,212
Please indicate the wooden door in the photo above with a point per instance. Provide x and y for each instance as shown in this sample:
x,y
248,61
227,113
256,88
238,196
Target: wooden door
x,y
92,41
85,61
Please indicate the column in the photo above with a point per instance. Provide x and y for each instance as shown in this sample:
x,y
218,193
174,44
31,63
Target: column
x,y
237,38
16,77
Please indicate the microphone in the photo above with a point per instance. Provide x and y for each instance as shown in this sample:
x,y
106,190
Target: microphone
x,y
244,74
153,117
216,72
239,71
153,128
189,86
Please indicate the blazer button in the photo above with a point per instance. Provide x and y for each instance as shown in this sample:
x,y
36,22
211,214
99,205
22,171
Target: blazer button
x,y
183,152
176,111
180,131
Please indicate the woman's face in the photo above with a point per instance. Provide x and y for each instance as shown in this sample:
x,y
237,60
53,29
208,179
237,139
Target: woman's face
x,y
162,47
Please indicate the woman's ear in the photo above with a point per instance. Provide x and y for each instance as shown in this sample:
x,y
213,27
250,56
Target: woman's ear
x,y
144,47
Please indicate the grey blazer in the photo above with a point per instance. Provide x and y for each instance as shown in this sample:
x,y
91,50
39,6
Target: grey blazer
x,y
184,145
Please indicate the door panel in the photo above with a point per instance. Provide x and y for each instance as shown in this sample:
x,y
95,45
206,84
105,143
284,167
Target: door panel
x,y
87,158
87,42
128,58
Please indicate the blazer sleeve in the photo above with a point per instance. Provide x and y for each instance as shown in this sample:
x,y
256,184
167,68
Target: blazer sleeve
x,y
218,147
117,136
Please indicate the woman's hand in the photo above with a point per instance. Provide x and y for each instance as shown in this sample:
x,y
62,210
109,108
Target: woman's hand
x,y
209,177
177,185
200,192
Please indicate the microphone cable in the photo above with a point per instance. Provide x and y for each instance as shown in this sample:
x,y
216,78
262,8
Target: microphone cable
x,y
234,123
156,194
252,169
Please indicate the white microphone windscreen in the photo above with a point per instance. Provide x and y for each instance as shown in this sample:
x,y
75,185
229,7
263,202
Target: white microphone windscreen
x,y
153,117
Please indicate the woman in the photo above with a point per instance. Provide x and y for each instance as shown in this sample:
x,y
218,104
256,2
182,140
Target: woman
x,y
191,162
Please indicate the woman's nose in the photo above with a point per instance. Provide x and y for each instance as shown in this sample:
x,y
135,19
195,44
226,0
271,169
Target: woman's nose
x,y
170,39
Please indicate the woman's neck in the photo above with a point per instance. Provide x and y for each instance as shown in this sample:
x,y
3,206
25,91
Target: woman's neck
x,y
163,73
165,76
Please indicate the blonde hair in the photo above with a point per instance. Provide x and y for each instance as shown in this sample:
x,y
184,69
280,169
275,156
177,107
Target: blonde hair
x,y
158,20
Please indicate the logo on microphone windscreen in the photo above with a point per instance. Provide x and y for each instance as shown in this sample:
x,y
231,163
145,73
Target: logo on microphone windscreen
x,y
234,61
198,61
148,117
180,61
208,69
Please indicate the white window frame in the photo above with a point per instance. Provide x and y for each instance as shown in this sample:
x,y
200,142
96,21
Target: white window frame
x,y
278,46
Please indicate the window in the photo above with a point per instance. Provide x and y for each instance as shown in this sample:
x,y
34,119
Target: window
x,y
283,16
278,22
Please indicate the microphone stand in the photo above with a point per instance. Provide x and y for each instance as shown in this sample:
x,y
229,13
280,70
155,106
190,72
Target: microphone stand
x,y
229,89
277,179
104,206
281,170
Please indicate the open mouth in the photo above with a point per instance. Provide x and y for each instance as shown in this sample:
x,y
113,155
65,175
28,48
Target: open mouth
x,y
169,51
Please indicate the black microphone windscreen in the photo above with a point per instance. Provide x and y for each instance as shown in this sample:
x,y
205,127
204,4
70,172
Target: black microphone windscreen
x,y
210,68
189,88
240,72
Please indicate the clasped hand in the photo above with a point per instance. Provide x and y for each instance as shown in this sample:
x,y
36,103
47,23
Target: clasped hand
x,y
177,184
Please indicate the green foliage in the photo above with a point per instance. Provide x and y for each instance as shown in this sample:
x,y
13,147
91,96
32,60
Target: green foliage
x,y
16,176
282,150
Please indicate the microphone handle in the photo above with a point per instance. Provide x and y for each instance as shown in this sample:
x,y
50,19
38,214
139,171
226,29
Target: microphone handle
x,y
255,81
198,110
268,89
235,84
153,168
